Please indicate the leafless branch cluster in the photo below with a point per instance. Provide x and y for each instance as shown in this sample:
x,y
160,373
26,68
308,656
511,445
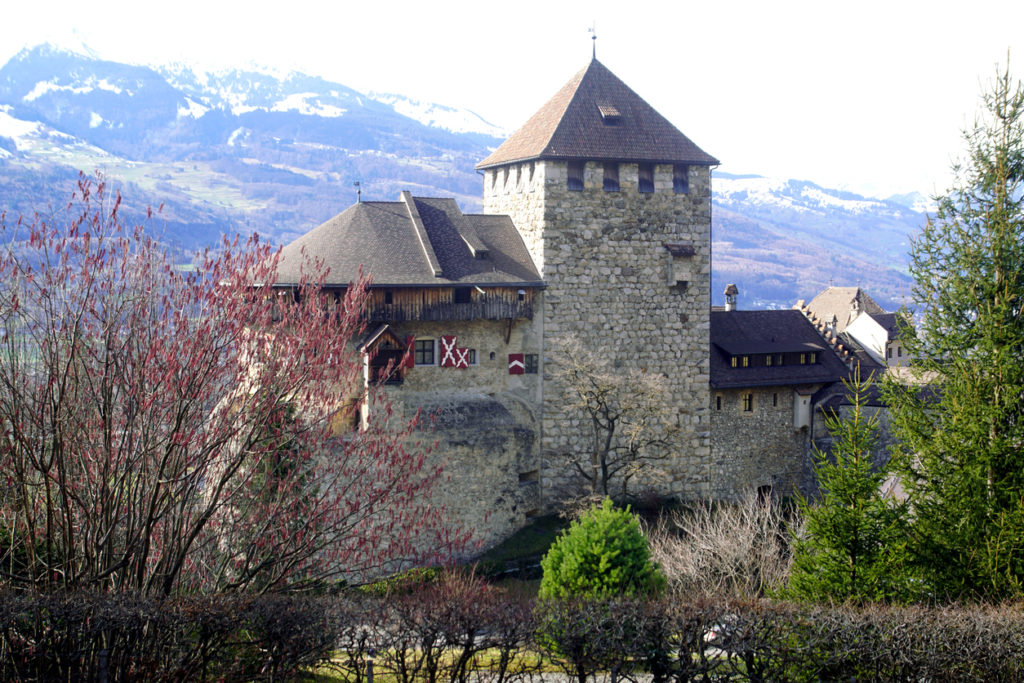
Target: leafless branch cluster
x,y
740,550
624,412
170,429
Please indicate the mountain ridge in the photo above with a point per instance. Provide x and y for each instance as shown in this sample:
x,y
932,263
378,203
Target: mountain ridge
x,y
241,150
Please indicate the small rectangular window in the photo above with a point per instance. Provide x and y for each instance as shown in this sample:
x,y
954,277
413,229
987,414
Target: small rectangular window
x,y
748,403
472,356
576,175
746,361
768,360
814,358
718,402
611,177
803,359
775,400
389,297
899,352
645,178
778,359
463,295
681,179
423,352
733,361
530,363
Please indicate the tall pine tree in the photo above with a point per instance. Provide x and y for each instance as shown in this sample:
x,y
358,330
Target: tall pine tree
x,y
852,545
961,436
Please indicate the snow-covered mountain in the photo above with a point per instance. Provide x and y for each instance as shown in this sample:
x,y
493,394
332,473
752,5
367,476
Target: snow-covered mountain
x,y
255,149
440,116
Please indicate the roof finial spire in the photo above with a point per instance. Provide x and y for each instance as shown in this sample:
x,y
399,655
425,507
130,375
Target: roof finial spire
x,y
593,36
359,192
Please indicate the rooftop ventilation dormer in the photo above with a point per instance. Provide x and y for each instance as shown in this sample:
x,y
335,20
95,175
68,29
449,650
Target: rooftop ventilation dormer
x,y
610,114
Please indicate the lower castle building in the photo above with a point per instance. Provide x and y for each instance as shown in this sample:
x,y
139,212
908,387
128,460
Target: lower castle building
x,y
596,227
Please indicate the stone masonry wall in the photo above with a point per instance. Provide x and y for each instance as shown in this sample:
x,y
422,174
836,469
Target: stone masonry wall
x,y
611,282
484,424
759,447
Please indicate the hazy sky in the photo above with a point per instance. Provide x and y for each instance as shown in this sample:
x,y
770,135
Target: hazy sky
x,y
870,95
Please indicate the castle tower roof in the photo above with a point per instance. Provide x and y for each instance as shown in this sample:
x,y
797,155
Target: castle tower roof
x,y
596,116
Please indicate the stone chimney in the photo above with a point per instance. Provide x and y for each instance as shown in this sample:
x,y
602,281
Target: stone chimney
x,y
731,292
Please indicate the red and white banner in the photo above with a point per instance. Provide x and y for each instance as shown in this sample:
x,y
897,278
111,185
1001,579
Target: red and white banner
x,y
448,352
516,364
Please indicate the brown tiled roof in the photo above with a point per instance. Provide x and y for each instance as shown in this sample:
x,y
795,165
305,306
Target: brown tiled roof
x,y
417,241
761,332
579,122
836,301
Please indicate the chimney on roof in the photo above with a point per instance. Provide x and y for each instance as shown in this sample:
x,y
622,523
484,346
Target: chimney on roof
x,y
731,292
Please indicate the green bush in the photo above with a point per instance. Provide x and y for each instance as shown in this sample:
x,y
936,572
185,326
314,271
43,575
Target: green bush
x,y
603,554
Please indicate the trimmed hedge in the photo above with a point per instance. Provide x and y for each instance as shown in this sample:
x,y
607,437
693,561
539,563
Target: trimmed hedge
x,y
458,628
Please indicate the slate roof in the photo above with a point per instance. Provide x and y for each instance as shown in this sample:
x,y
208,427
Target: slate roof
x,y
572,125
889,322
836,301
760,332
416,241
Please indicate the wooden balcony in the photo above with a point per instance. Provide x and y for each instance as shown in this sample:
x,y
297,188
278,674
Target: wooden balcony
x,y
441,304
477,310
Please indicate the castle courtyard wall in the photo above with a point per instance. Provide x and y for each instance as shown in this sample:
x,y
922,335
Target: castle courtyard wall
x,y
760,447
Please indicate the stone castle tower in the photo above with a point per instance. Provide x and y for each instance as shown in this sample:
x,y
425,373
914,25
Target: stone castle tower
x,y
614,204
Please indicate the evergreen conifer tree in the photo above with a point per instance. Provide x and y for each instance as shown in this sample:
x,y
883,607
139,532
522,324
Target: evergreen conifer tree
x,y
961,435
852,547
603,554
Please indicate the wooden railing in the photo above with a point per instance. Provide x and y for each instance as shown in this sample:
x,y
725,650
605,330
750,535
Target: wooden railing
x,y
477,310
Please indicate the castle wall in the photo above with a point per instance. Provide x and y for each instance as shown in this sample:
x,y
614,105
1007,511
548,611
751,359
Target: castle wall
x,y
612,283
482,421
758,447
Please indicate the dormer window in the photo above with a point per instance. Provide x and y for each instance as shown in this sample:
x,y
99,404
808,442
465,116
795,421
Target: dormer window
x,y
576,175
610,115
681,179
611,177
645,178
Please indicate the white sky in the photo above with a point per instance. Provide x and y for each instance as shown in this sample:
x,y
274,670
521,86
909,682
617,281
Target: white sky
x,y
869,95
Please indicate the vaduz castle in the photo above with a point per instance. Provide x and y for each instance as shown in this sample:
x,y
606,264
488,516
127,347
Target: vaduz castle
x,y
596,225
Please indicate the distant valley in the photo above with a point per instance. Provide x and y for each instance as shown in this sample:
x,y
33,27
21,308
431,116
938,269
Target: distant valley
x,y
251,150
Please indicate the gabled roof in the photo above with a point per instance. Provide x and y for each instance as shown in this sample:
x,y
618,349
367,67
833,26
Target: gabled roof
x,y
597,116
416,241
762,332
838,301
889,322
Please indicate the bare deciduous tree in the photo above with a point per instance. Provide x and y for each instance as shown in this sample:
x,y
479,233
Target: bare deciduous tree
x,y
626,413
167,429
739,550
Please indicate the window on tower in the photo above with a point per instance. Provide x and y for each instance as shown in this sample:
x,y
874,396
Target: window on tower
x,y
681,179
611,177
645,178
576,175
